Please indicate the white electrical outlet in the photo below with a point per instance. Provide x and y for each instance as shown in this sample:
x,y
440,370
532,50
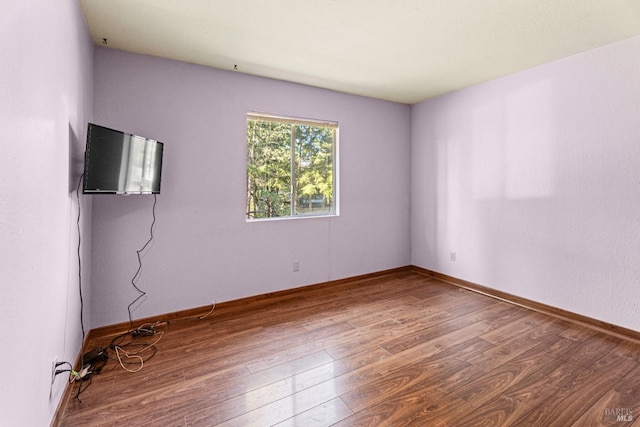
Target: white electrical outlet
x,y
53,375
296,266
452,256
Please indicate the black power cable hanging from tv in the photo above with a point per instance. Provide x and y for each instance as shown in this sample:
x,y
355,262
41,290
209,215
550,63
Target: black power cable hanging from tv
x,y
138,252
89,367
80,259
82,361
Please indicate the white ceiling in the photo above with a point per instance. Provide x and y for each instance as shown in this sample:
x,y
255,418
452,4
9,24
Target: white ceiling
x,y
398,50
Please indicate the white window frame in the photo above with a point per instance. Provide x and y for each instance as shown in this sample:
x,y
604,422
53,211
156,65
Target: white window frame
x,y
335,183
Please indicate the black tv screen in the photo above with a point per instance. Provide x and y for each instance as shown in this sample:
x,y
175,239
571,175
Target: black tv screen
x,y
120,163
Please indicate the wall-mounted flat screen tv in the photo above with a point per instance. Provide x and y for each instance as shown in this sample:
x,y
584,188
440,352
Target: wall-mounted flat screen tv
x,y
116,162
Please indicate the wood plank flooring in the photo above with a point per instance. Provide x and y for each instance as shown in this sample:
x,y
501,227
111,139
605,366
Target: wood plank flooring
x,y
400,349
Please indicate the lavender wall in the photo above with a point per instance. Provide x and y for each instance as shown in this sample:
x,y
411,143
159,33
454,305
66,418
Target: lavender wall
x,y
46,61
204,249
534,181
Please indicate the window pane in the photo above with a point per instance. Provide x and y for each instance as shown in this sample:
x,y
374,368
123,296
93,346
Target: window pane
x,y
268,169
314,170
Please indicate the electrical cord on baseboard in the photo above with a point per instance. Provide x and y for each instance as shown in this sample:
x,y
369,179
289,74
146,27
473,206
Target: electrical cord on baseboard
x,y
128,350
125,357
120,343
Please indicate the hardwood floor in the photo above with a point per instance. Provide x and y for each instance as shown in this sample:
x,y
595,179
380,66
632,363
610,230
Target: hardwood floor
x,y
400,349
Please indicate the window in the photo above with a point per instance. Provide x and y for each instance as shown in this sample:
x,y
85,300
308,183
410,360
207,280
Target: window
x,y
291,167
